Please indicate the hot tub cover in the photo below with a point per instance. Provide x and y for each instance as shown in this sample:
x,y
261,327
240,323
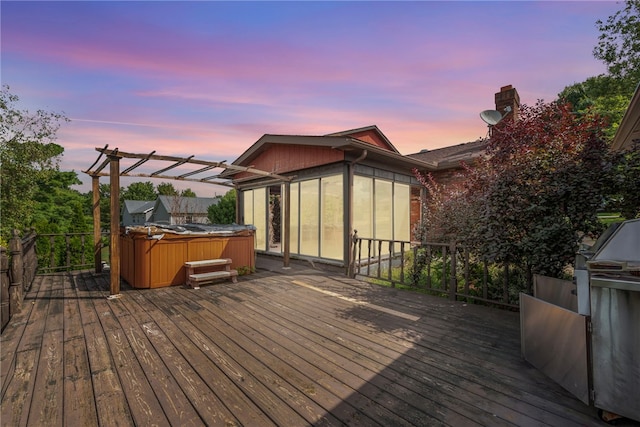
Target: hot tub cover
x,y
151,229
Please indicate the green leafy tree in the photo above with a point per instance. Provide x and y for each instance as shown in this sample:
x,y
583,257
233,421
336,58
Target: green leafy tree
x,y
139,191
58,207
28,156
223,212
166,189
187,192
619,43
619,48
64,211
625,194
105,205
602,95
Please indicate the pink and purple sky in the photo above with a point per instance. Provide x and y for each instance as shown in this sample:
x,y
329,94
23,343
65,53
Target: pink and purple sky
x,y
209,78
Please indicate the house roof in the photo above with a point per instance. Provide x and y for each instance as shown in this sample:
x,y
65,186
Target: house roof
x,y
452,156
139,206
191,205
367,129
343,141
629,130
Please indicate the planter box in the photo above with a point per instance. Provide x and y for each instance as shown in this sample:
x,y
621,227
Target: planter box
x,y
147,261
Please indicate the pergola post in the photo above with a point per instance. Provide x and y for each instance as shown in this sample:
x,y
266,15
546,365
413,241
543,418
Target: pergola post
x,y
97,235
114,175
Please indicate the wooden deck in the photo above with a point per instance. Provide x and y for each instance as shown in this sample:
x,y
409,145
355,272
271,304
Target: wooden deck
x,y
297,349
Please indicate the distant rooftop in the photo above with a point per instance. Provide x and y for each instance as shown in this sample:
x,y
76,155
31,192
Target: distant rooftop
x,y
453,154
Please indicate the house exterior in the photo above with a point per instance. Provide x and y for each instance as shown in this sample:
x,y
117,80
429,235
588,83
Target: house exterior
x,y
448,161
341,182
167,210
137,212
182,210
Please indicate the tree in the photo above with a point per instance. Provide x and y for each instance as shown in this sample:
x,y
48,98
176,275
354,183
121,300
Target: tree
x,y
223,212
536,194
105,204
275,219
58,207
625,194
166,189
602,95
28,155
549,173
619,48
139,191
187,192
619,43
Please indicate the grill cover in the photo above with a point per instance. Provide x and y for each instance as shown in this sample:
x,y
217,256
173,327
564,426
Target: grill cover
x,y
621,252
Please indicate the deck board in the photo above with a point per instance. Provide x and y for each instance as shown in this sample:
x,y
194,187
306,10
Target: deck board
x,y
298,349
373,357
78,410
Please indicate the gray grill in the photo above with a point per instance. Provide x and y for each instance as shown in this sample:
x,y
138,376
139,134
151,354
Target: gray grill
x,y
614,293
586,334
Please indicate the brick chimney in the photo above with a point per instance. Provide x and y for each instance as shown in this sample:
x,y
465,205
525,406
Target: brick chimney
x,y
508,97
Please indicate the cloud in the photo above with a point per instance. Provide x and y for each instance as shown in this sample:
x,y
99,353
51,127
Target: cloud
x,y
209,78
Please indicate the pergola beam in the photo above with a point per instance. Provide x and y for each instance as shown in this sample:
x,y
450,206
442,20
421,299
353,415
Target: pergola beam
x,y
171,177
138,163
175,165
113,158
183,160
195,172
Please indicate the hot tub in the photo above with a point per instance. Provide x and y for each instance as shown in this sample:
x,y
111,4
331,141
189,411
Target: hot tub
x,y
153,256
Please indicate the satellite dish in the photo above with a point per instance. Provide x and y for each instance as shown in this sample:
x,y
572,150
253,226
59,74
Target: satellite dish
x,y
491,117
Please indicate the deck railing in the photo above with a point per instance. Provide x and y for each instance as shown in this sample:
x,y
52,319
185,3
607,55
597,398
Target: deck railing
x,y
446,269
18,264
67,251
41,254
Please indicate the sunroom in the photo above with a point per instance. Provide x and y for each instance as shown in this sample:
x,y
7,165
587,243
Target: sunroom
x,y
341,182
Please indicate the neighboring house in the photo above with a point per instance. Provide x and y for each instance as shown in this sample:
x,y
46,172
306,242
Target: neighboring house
x,y
341,182
182,210
136,212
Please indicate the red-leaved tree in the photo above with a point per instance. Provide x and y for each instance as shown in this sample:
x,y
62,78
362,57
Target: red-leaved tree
x,y
535,194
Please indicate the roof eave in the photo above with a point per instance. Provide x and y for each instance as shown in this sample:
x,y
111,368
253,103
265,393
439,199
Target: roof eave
x,y
629,130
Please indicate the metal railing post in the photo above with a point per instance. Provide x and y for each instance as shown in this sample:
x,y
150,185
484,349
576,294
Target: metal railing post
x,y
453,280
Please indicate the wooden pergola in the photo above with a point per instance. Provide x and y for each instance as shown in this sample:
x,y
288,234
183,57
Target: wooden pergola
x,y
112,159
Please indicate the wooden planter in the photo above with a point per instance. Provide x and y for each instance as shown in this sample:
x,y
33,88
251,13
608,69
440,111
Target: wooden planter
x,y
147,262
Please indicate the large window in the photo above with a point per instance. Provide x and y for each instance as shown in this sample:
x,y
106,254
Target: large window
x,y
332,217
317,217
381,208
260,217
255,213
383,199
295,218
363,206
309,217
401,211
247,202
